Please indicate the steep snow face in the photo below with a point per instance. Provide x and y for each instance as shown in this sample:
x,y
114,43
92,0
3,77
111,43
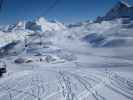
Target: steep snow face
x,y
21,25
41,24
49,26
120,10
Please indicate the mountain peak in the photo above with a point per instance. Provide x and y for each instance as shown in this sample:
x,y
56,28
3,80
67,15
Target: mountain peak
x,y
121,10
41,24
41,20
124,2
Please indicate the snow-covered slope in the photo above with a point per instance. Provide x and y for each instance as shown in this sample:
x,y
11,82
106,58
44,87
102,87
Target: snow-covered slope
x,y
112,33
50,61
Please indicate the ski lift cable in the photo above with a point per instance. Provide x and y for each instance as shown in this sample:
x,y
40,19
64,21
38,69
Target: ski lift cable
x,y
53,5
1,4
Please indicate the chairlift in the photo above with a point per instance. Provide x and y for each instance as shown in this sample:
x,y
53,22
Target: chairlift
x,y
2,68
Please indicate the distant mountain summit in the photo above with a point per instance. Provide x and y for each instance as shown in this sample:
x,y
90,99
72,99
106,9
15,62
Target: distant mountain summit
x,y
41,24
121,10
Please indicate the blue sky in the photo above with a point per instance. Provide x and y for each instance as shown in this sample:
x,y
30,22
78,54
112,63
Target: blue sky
x,y
67,11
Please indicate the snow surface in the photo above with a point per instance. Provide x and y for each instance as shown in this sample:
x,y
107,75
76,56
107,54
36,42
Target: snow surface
x,y
51,61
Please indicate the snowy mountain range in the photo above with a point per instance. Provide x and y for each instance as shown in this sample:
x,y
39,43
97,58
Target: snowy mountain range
x,y
39,24
113,30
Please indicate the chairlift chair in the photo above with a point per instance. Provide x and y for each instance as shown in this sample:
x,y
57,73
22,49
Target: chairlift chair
x,y
2,68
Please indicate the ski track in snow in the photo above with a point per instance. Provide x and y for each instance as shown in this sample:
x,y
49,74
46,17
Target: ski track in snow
x,y
91,83
33,83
